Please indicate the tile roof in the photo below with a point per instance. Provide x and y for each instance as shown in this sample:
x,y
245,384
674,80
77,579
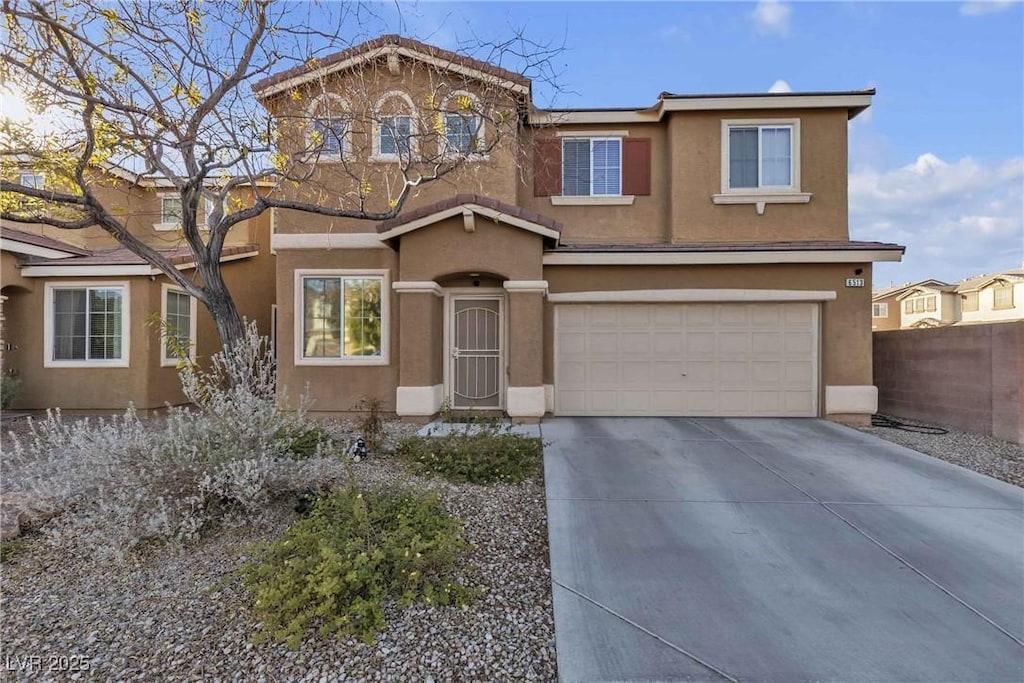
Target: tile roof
x,y
896,289
397,41
121,256
810,93
469,198
40,241
977,281
804,245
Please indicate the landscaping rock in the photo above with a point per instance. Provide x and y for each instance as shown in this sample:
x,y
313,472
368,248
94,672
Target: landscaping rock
x,y
20,510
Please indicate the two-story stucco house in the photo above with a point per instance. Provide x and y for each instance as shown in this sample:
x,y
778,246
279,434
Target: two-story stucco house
x,y
992,297
688,257
77,308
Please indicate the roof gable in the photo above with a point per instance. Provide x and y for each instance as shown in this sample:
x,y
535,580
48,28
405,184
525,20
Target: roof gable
x,y
391,44
470,205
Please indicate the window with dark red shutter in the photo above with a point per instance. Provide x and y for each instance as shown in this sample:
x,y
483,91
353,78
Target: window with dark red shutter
x,y
547,167
636,166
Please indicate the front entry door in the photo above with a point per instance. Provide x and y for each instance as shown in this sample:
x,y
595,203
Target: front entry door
x,y
477,353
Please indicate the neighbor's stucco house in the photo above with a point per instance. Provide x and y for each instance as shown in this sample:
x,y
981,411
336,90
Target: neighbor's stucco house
x,y
684,258
993,297
929,305
886,310
75,319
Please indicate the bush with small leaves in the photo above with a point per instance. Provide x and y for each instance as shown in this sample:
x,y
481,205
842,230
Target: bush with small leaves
x,y
487,456
337,568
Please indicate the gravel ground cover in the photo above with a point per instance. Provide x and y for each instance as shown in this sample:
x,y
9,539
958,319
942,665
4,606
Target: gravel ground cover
x,y
174,615
985,454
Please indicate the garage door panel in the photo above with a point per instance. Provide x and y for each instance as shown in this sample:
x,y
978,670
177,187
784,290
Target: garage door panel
x,y
686,359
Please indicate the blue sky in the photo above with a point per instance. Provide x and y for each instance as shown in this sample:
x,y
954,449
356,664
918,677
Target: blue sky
x,y
936,164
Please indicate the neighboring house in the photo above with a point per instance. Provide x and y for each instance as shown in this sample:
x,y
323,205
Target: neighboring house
x,y
929,305
886,308
76,306
690,257
993,297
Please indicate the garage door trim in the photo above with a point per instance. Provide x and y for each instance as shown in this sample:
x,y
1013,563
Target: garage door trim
x,y
717,296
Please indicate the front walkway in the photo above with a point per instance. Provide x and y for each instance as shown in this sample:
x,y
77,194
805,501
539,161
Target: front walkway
x,y
776,550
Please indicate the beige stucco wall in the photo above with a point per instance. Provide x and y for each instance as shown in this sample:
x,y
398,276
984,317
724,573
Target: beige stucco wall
x,y
695,153
845,322
339,184
892,320
335,388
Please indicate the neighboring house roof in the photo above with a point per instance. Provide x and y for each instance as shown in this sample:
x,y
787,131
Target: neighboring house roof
x,y
121,261
40,241
977,282
474,204
383,45
899,289
926,289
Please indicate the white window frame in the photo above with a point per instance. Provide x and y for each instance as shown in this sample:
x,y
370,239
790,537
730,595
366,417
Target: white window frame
x,y
41,176
481,127
879,310
345,115
591,139
385,316
126,304
413,128
788,194
193,308
163,226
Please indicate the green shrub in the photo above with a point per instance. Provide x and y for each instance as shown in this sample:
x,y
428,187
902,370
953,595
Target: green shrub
x,y
486,457
337,568
304,440
8,388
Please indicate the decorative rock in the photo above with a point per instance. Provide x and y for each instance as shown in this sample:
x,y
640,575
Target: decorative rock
x,y
20,510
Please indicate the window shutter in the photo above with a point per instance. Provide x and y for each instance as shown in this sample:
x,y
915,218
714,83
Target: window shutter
x,y
547,167
636,166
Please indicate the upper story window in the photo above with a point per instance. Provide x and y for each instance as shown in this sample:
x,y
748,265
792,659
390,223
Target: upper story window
x,y
170,210
33,180
86,325
879,310
761,163
591,167
329,127
1002,297
395,136
920,304
463,126
395,128
969,302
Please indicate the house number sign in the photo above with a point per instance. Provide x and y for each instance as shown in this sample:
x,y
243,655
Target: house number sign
x,y
854,282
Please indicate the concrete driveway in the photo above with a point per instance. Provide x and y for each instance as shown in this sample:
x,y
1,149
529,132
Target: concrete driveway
x,y
776,550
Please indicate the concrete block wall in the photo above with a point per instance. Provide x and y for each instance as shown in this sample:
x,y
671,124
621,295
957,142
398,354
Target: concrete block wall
x,y
966,376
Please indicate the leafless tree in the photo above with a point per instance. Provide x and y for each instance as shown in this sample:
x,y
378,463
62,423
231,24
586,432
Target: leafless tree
x,y
165,89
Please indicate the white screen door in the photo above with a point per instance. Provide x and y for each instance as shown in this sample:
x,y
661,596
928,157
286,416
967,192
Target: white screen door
x,y
476,353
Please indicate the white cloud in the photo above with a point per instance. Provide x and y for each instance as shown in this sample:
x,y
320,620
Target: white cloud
x,y
978,7
780,86
956,218
674,32
772,17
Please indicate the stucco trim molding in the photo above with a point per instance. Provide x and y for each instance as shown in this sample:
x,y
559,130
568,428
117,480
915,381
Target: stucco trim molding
x,y
418,401
691,295
525,401
549,398
673,258
526,286
32,250
417,287
851,400
589,200
496,216
326,240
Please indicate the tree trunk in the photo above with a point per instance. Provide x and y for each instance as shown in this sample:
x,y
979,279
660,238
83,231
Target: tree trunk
x,y
221,306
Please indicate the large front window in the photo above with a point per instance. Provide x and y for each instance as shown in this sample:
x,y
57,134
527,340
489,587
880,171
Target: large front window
x,y
760,157
342,317
87,324
591,167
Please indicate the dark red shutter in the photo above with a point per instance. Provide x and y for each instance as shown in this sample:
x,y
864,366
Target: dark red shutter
x,y
547,167
636,165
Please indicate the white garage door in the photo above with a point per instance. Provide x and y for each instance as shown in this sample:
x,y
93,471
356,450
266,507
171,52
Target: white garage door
x,y
729,359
